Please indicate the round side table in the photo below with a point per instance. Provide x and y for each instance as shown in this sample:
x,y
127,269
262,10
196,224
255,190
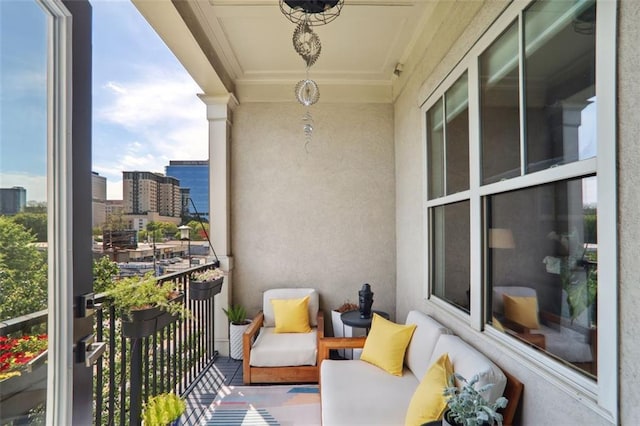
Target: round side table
x,y
352,318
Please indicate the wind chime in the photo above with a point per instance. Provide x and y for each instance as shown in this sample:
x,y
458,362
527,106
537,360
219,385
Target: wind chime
x,y
307,14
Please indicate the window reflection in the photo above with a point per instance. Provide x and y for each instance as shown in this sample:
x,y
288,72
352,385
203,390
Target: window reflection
x,y
560,84
450,253
23,212
542,288
499,108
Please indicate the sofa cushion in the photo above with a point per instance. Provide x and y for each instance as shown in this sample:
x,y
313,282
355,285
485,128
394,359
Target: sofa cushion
x,y
354,392
291,315
468,362
423,341
281,349
386,344
428,403
522,310
290,293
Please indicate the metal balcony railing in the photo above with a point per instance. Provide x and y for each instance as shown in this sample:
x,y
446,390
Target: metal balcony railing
x,y
140,365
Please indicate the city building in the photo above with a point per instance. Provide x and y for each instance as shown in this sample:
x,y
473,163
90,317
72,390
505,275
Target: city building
x,y
193,175
114,207
12,200
98,199
149,196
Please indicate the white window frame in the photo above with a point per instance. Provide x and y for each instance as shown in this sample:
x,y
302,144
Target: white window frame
x,y
600,396
59,213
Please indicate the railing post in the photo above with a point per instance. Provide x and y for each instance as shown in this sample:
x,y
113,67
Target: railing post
x,y
136,383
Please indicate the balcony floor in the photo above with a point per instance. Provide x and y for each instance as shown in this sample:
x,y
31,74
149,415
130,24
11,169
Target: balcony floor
x,y
224,371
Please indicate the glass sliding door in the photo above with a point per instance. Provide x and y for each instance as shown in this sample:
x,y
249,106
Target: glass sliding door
x,y
24,218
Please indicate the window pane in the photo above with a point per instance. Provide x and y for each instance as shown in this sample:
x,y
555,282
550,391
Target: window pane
x,y
542,268
560,73
450,253
23,212
435,151
499,108
457,136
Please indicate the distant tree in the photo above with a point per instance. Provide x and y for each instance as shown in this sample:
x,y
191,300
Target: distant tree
x,y
23,271
36,207
35,222
116,222
198,230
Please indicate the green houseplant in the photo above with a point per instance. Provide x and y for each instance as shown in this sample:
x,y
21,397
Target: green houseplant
x,y
467,406
238,323
163,409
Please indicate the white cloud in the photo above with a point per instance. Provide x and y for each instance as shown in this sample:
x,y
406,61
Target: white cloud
x,y
163,117
36,186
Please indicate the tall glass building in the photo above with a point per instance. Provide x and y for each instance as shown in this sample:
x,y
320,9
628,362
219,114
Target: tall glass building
x,y
195,176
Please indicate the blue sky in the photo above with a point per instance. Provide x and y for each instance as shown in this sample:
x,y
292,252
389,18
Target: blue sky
x,y
145,108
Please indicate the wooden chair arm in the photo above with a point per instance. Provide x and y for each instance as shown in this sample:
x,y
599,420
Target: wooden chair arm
x,y
329,343
513,392
320,319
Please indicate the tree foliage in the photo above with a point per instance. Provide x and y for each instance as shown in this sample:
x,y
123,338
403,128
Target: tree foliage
x,y
105,273
36,222
23,271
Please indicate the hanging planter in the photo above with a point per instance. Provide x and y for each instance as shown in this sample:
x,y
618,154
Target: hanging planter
x,y
146,322
204,285
146,306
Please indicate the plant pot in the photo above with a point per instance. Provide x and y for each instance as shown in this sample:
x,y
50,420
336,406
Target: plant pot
x,y
340,329
235,339
146,322
19,394
203,290
451,422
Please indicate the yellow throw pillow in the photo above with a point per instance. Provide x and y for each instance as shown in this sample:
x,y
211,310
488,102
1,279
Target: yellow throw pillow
x,y
428,404
386,344
521,310
291,315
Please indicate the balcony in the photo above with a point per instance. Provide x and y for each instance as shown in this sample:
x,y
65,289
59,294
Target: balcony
x,y
178,356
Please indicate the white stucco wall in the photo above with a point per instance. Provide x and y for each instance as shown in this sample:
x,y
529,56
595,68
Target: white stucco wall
x,y
321,217
629,200
545,400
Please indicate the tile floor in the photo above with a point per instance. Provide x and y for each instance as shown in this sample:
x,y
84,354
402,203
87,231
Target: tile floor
x,y
224,371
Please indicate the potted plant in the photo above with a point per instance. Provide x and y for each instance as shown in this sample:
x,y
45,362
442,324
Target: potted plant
x,y
342,330
205,284
163,409
146,305
238,323
467,406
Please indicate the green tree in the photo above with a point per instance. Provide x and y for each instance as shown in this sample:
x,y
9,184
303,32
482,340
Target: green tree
x,y
23,271
105,272
197,232
36,207
36,222
116,222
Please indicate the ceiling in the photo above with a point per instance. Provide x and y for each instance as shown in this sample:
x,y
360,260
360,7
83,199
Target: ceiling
x,y
247,44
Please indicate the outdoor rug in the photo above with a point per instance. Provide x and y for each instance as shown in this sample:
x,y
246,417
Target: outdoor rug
x,y
265,405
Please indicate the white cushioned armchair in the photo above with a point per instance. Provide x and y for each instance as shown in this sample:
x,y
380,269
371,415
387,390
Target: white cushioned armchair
x,y
270,357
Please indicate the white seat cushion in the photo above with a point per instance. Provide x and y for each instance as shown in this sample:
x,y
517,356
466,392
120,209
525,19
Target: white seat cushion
x,y
354,392
284,349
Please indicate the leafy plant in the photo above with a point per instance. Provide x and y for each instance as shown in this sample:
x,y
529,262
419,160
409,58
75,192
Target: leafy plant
x,y
163,409
467,406
135,293
237,314
104,273
208,275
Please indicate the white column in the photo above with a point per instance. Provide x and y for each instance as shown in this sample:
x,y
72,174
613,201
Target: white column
x,y
219,109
